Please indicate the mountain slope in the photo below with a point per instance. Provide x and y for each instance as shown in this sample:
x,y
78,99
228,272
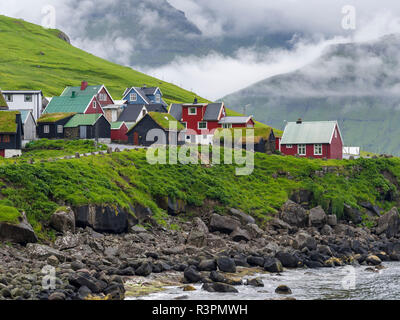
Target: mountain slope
x,y
357,84
32,57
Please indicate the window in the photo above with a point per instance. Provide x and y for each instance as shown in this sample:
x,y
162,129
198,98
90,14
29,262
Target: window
x,y
202,125
227,125
8,97
318,149
46,129
289,146
102,97
94,104
5,138
192,111
301,149
335,133
28,98
60,129
158,98
133,97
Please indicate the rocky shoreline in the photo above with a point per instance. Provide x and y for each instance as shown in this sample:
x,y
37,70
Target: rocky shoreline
x,y
211,249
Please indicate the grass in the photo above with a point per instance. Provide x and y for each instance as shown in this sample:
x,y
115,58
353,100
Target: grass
x,y
9,214
7,121
165,120
126,178
54,117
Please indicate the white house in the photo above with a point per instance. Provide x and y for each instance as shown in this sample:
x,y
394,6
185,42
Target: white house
x,y
25,100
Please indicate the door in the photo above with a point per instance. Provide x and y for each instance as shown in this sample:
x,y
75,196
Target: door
x,y
82,132
136,138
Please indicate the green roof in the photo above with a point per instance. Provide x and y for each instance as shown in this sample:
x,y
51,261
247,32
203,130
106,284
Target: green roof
x,y
90,90
54,117
116,125
7,121
164,120
259,132
308,132
83,120
3,102
78,104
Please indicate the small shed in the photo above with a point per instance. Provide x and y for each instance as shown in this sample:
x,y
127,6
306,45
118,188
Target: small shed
x,y
11,131
29,124
160,126
88,126
119,131
51,125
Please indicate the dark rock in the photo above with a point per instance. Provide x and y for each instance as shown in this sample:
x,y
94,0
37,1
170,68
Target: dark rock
x,y
240,235
63,36
198,235
207,265
389,223
226,264
241,262
326,230
153,255
303,197
243,217
294,214
287,259
144,270
317,217
57,296
304,240
272,264
172,206
117,291
282,289
331,220
352,214
223,224
217,277
63,221
255,282
126,272
280,224
255,261
373,260
22,232
191,275
254,231
219,287
80,279
375,210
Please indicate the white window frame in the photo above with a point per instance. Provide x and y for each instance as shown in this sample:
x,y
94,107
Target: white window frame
x,y
133,97
198,125
316,147
46,129
26,98
60,128
289,146
158,98
9,97
190,111
227,125
94,104
102,97
301,146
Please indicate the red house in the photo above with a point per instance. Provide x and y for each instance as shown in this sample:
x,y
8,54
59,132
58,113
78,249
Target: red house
x,y
202,119
316,139
119,131
100,91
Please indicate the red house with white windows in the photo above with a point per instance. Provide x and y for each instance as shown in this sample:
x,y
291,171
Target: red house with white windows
x,y
202,119
316,139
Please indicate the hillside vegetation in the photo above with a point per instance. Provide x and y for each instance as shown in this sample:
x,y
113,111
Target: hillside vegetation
x,y
125,178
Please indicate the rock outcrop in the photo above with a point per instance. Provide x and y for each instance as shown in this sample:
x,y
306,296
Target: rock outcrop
x,y
21,232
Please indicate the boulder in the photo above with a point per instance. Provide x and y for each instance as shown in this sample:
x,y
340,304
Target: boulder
x,y
63,220
255,282
207,265
389,223
352,214
326,230
371,209
42,252
191,275
282,289
373,260
68,241
331,220
255,261
223,224
294,214
304,240
172,206
226,264
198,235
272,264
287,259
21,232
217,277
243,217
317,217
219,287
254,230
240,235
144,270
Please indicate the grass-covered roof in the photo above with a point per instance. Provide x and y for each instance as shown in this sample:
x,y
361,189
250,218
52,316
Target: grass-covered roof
x,y
164,120
54,117
3,102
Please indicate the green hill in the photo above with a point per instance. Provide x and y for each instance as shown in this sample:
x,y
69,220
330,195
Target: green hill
x,y
32,57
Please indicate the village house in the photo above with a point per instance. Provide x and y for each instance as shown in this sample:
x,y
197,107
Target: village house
x,y
99,91
51,125
202,119
29,126
132,114
164,122
113,111
119,131
143,95
88,126
76,103
314,139
11,132
26,100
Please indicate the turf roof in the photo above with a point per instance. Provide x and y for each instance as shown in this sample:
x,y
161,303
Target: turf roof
x,y
54,117
83,120
8,122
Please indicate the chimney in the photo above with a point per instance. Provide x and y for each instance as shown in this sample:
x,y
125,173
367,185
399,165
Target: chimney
x,y
195,100
299,121
84,85
73,94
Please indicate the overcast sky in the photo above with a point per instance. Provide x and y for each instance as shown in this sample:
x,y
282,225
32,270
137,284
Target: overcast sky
x,y
218,75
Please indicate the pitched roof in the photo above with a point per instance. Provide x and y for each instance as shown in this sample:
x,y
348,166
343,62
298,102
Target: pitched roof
x,y
175,110
309,132
3,102
54,117
78,104
156,107
8,123
148,91
131,113
164,120
25,115
117,125
90,90
83,120
235,120
212,111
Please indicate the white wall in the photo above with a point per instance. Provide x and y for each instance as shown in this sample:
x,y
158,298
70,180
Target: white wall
x,y
19,103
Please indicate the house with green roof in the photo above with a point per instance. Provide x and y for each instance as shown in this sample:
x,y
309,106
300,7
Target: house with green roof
x,y
51,125
88,126
157,128
11,132
99,91
85,104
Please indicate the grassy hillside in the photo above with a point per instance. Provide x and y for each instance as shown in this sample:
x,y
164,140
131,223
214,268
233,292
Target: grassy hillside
x,y
127,178
32,57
